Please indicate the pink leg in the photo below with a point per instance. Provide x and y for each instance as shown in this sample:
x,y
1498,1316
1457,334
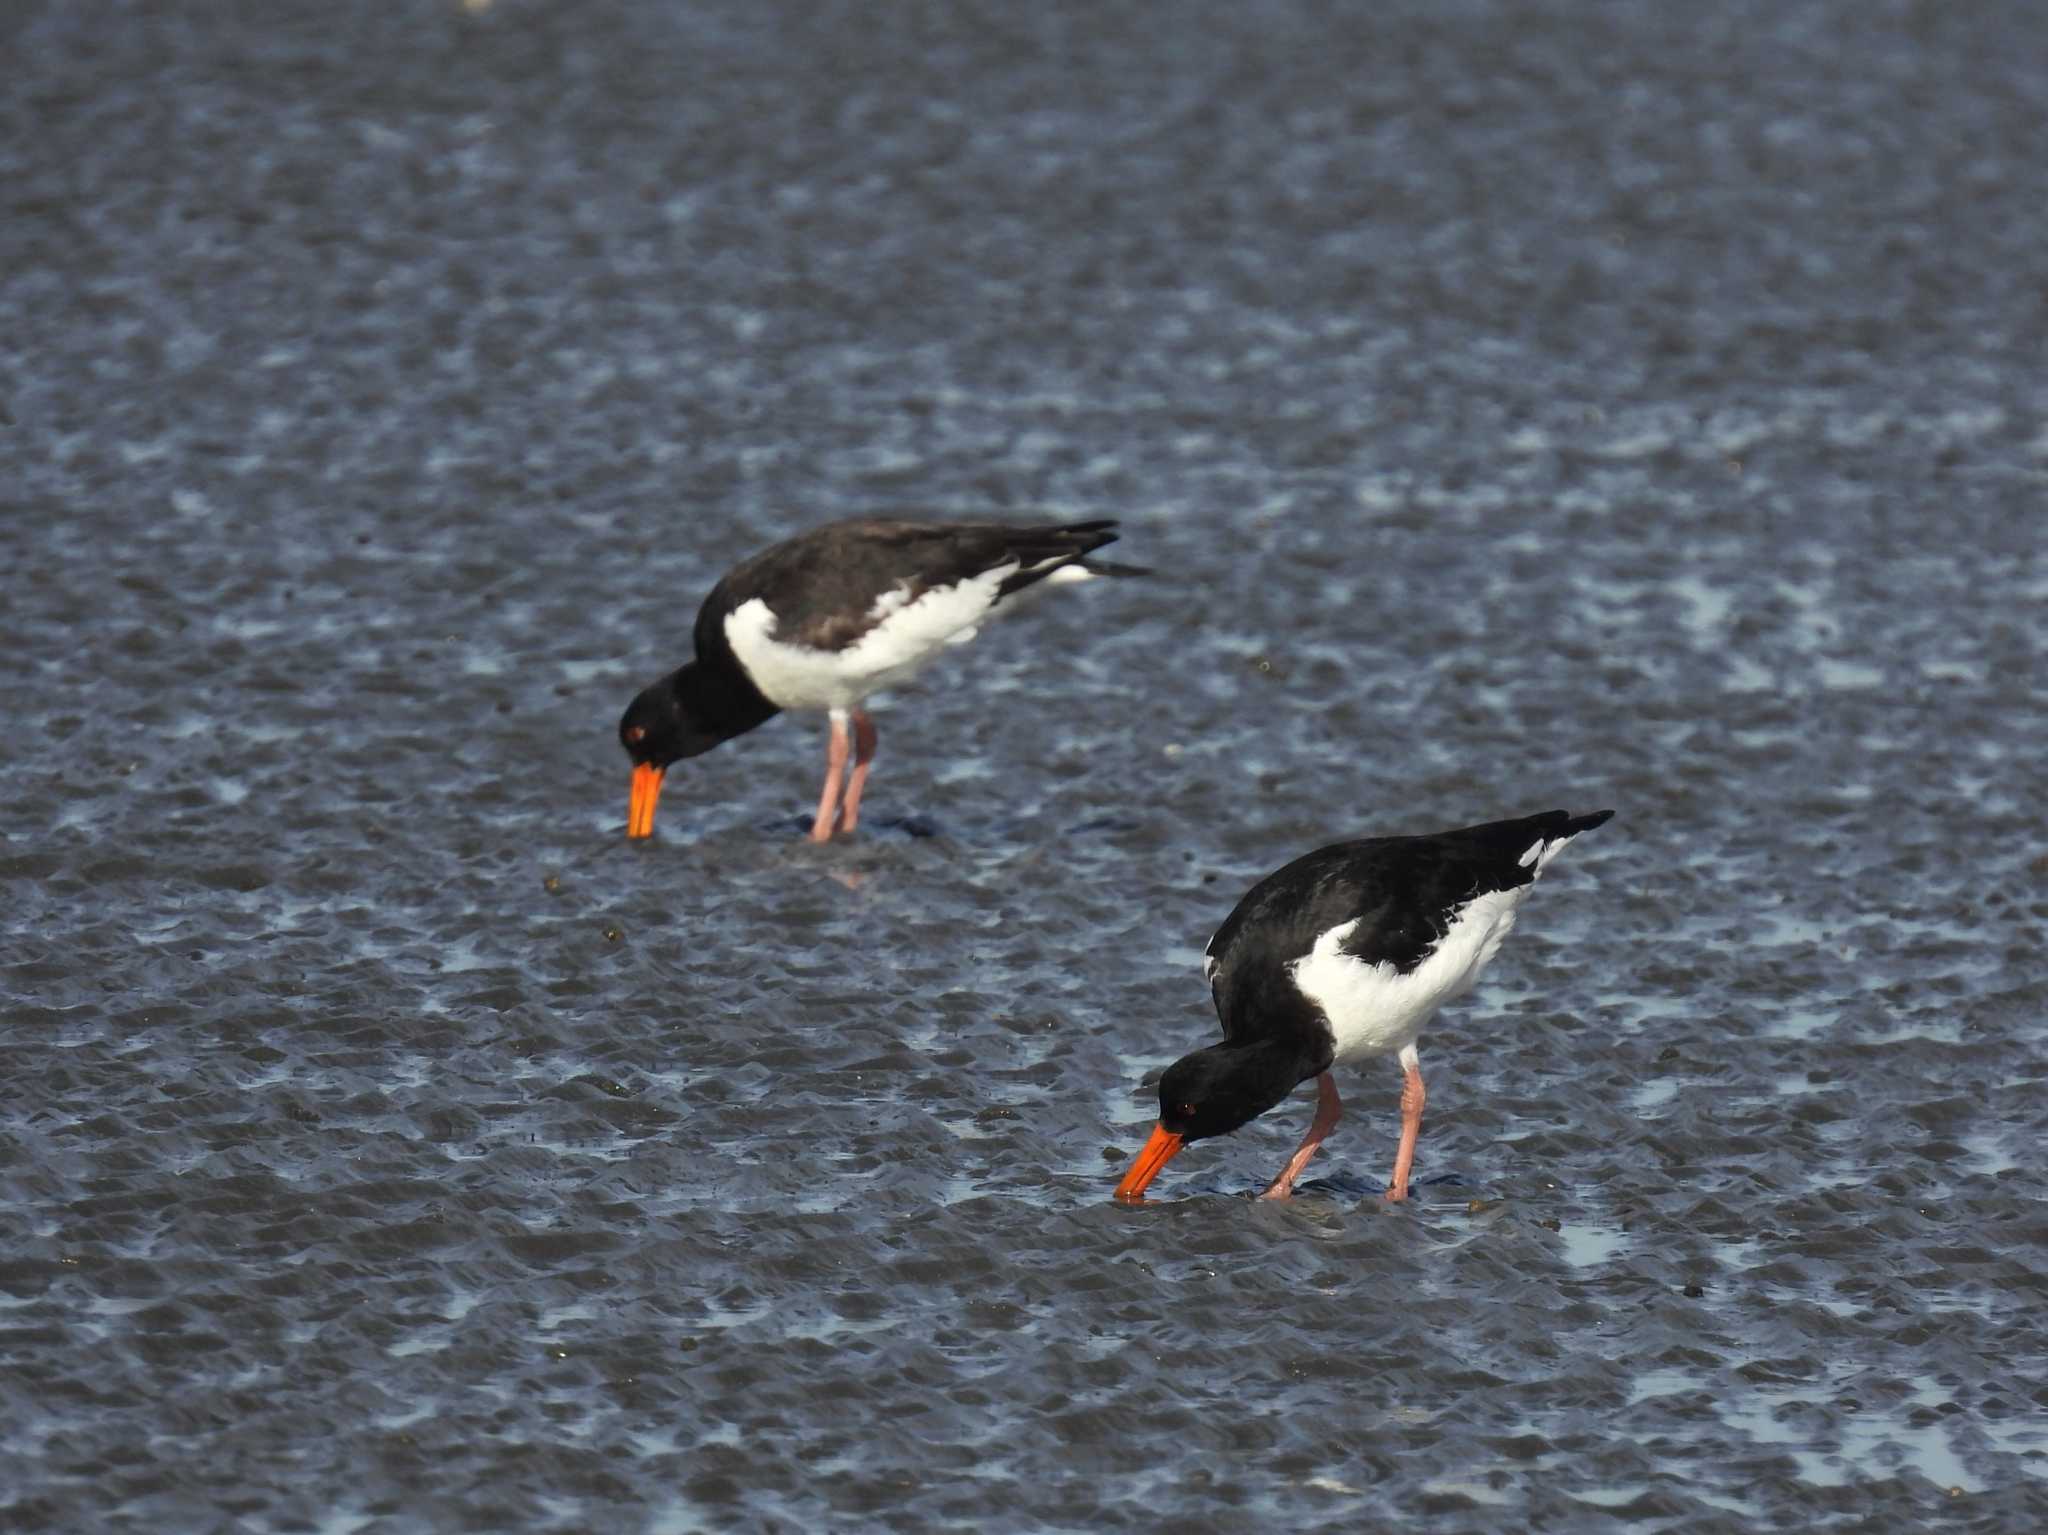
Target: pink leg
x,y
1328,1111
1412,1100
835,772
864,738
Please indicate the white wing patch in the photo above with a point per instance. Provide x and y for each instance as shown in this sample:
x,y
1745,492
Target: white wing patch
x,y
908,632
1543,852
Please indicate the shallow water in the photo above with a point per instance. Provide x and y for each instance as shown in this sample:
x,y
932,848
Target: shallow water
x,y
1593,405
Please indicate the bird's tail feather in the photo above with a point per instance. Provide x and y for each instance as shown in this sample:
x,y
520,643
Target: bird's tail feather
x,y
1110,568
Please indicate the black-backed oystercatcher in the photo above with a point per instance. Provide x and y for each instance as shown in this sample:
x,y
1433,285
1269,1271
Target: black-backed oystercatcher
x,y
825,619
1345,954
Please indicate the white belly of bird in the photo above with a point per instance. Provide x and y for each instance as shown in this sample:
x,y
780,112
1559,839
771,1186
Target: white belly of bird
x,y
908,634
1373,1009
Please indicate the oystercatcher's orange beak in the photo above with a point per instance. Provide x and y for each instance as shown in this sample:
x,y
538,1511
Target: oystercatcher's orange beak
x,y
1157,1153
640,809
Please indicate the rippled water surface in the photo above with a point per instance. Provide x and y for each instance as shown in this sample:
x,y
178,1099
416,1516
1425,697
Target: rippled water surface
x,y
1522,406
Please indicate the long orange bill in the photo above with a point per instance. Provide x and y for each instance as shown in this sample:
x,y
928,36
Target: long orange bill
x,y
640,809
1157,1153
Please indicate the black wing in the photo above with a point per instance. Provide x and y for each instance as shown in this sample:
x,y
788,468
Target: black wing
x,y
1400,890
823,585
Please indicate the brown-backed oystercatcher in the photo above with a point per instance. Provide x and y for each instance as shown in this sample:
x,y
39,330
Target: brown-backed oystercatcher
x,y
825,619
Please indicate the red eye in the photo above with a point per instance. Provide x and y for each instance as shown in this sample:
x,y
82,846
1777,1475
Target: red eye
x,y
636,734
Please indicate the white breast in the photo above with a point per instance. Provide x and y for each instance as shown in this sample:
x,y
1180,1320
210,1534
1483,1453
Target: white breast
x,y
907,633
1373,1008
